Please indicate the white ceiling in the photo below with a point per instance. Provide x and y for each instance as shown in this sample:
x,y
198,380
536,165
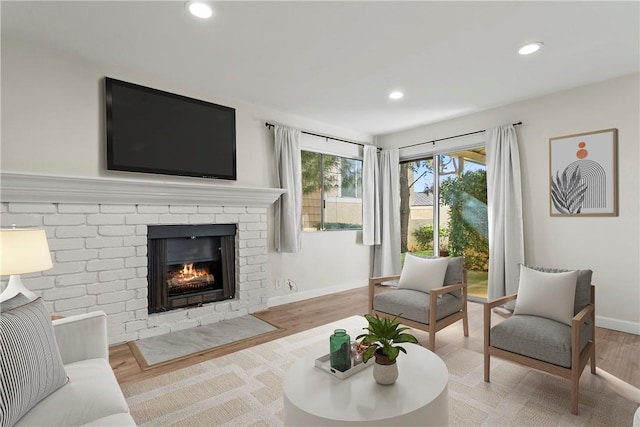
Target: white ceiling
x,y
335,62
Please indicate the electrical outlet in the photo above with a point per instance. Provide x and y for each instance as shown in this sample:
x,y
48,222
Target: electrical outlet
x,y
279,283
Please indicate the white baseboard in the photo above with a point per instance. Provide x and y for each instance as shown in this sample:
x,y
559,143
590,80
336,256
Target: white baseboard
x,y
618,325
299,296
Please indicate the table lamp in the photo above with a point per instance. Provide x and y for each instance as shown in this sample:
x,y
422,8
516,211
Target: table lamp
x,y
22,250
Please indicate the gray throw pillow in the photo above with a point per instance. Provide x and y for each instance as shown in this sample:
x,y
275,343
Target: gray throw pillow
x,y
30,364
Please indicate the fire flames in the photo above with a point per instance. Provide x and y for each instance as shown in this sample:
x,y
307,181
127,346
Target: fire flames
x,y
189,272
189,278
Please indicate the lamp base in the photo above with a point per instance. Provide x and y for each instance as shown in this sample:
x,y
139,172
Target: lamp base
x,y
15,287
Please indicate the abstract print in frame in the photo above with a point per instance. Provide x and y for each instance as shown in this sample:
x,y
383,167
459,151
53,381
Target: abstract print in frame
x,y
584,174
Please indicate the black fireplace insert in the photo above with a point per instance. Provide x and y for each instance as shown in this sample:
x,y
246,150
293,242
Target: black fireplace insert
x,y
190,265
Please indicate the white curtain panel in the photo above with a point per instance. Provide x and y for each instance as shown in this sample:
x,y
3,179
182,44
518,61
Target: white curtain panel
x,y
386,260
504,196
288,209
370,197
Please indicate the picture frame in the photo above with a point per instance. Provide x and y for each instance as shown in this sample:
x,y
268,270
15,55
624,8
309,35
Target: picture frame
x,y
583,178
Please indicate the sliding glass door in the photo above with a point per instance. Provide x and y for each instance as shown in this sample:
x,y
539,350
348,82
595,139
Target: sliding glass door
x,y
443,207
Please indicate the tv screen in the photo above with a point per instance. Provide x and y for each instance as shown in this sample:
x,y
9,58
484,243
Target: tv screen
x,y
149,130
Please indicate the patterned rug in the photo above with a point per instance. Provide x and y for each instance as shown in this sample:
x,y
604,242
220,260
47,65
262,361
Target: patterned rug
x,y
245,389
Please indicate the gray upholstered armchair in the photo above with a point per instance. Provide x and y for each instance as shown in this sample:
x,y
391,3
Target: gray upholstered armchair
x,y
427,297
554,329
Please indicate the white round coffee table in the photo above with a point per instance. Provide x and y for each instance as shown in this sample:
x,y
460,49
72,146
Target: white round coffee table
x,y
313,397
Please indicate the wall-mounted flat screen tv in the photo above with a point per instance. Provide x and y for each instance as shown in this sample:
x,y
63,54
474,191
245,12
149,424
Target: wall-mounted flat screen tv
x,y
153,131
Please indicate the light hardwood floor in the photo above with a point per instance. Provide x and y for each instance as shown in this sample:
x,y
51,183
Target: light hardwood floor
x,y
617,353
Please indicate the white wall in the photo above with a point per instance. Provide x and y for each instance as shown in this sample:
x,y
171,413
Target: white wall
x,y
610,246
53,124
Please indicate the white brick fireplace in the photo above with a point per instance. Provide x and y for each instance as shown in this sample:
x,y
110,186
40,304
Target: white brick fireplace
x,y
97,233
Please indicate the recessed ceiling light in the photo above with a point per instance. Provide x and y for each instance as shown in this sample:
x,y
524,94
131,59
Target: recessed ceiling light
x,y
199,9
530,48
396,95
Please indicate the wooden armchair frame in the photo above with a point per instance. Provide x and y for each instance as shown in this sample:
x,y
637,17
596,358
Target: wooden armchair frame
x,y
578,359
434,325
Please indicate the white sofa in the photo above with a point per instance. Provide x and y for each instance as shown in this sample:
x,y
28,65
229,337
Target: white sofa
x,y
92,395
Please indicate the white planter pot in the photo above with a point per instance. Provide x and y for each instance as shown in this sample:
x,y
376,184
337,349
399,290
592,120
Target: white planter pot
x,y
385,374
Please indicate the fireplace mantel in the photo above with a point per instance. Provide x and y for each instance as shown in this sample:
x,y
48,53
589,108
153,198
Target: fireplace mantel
x,y
16,187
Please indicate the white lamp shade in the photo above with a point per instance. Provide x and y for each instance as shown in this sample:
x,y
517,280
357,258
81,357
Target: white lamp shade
x,y
23,251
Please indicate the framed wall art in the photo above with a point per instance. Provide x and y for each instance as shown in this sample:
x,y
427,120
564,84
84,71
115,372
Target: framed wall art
x,y
584,174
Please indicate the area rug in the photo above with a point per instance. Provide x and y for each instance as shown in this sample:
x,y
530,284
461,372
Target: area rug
x,y
245,389
162,349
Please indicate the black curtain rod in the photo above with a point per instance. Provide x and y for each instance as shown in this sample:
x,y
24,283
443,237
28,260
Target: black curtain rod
x,y
269,125
451,137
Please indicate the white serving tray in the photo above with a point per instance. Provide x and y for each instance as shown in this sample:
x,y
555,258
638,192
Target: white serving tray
x,y
324,363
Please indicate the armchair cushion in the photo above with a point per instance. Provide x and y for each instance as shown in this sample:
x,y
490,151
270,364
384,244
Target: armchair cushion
x,y
423,274
538,337
414,305
549,295
30,362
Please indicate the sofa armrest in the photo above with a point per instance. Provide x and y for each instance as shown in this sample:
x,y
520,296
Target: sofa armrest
x,y
83,336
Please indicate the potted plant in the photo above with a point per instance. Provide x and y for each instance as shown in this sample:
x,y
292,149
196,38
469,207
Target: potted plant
x,y
382,339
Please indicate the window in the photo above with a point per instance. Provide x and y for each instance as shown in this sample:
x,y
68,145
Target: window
x,y
447,193
331,192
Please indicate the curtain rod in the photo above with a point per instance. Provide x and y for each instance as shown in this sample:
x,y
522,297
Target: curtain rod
x,y
451,137
269,125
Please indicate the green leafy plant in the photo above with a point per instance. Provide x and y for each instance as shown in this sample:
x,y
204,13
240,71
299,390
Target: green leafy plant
x,y
383,336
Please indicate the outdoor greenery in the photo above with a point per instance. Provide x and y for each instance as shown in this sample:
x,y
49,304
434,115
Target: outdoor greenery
x,y
424,236
327,172
466,196
338,226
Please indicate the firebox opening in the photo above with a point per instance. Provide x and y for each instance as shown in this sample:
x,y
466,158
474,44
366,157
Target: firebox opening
x,y
190,265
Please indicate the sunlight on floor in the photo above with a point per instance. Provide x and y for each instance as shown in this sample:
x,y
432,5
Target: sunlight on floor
x,y
621,387
477,283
